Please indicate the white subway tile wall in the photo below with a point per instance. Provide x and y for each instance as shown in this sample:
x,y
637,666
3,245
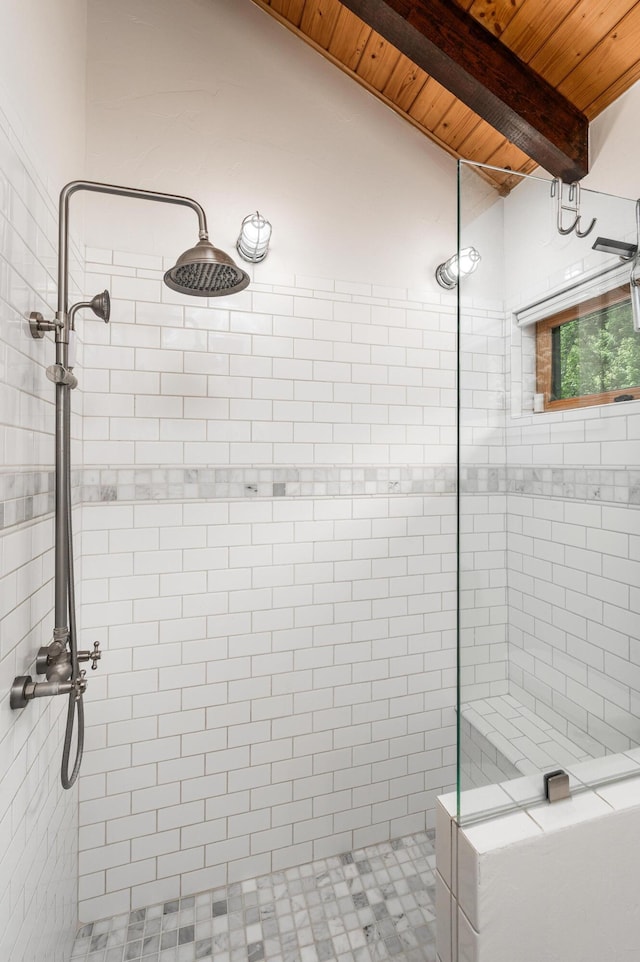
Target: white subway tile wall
x,y
575,617
549,559
276,592
38,820
573,533
275,376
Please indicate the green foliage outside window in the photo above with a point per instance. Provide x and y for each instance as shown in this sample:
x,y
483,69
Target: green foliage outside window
x,y
596,353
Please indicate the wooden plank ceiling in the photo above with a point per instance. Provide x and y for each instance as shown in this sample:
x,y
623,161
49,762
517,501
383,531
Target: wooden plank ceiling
x,y
587,50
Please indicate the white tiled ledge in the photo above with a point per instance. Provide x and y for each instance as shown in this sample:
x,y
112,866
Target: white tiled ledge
x,y
525,740
532,746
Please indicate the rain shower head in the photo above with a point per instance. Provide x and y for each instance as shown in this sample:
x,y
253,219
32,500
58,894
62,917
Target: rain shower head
x,y
205,271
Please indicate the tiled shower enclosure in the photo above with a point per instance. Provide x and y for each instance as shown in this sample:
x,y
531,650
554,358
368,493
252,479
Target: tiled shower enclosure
x,y
278,677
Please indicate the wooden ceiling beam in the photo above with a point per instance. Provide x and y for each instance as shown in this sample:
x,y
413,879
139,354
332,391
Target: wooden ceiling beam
x,y
466,58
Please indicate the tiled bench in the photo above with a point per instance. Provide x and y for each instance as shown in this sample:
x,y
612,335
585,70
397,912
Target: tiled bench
x,y
502,738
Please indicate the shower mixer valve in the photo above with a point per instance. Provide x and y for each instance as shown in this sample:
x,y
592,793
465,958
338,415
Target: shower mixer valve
x,y
24,688
54,661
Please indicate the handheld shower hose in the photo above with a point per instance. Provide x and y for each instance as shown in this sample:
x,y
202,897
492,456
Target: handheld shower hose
x,y
76,702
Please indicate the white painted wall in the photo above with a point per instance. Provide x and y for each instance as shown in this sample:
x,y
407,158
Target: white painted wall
x,y
42,66
42,84
614,146
217,100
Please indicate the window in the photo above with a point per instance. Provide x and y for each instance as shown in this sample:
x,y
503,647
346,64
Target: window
x,y
589,353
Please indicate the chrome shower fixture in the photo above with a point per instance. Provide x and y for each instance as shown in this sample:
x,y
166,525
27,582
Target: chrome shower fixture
x,y
100,305
203,271
54,661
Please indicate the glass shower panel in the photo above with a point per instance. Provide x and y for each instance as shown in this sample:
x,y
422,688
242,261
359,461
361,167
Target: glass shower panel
x,y
548,498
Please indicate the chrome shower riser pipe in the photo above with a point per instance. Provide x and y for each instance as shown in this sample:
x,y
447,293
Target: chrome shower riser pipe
x,y
61,588
61,629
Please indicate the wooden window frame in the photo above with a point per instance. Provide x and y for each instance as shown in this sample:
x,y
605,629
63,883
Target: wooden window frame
x,y
543,351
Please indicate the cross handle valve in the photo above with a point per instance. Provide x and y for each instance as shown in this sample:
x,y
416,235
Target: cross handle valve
x,y
95,655
92,656
79,686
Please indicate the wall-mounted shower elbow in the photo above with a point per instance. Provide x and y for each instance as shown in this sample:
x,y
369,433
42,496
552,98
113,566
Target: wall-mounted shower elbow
x,y
24,689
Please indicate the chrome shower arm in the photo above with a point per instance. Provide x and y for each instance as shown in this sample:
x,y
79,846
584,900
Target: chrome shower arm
x,y
96,187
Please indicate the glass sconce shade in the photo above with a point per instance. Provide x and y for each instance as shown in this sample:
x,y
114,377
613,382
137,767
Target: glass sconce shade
x,y
448,273
253,242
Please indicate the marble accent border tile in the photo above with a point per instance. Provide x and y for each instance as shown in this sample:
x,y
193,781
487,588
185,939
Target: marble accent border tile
x,y
592,484
26,495
30,494
273,481
479,479
621,486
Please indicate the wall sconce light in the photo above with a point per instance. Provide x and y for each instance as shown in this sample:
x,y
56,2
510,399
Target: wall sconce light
x,y
253,242
449,273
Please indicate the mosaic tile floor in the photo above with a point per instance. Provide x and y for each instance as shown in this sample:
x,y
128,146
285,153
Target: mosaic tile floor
x,y
370,905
